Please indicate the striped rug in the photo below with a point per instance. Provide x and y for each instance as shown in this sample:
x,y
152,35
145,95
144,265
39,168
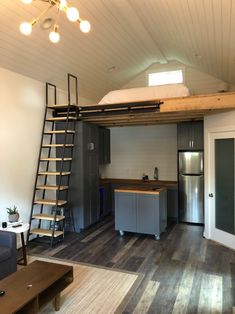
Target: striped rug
x,y
94,289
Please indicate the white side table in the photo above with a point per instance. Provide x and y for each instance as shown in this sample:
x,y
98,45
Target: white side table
x,y
19,230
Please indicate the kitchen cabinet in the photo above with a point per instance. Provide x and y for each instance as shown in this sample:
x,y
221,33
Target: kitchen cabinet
x,y
125,212
105,197
84,181
104,146
190,136
172,204
142,212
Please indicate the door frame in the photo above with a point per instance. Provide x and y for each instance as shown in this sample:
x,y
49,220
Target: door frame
x,y
211,232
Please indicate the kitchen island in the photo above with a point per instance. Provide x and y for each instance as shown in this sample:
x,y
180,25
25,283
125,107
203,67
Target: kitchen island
x,y
109,185
141,210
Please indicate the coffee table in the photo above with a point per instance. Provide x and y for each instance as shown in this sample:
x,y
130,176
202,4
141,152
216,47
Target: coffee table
x,y
32,287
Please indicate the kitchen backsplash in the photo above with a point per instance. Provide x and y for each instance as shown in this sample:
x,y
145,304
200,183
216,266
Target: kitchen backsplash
x,y
138,150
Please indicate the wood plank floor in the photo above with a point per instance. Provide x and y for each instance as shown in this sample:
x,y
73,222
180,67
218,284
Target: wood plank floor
x,y
183,272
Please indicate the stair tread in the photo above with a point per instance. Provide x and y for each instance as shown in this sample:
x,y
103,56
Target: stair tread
x,y
59,132
61,118
57,145
46,232
54,173
52,187
49,202
65,113
56,159
48,217
59,106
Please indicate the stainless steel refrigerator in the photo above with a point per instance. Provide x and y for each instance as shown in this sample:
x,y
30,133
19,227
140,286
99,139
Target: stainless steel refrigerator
x,y
191,183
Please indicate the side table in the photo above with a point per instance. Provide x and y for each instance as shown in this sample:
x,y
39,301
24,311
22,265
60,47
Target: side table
x,y
19,230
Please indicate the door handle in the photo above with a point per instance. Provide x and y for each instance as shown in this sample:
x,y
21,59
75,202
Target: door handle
x,y
211,195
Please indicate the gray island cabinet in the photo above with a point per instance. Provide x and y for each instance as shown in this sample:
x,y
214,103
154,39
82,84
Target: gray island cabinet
x,y
140,210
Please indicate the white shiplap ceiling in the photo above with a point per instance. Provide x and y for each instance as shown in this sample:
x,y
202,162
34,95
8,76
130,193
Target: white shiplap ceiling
x,y
127,34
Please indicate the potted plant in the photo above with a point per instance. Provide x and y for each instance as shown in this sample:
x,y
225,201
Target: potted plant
x,y
13,214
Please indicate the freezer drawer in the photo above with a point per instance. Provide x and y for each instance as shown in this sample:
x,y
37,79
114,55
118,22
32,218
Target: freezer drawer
x,y
191,198
190,162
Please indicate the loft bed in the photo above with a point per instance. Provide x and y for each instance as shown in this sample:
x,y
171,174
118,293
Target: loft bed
x,y
154,105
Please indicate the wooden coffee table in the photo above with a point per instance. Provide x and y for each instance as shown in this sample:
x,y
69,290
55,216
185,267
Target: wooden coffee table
x,y
32,287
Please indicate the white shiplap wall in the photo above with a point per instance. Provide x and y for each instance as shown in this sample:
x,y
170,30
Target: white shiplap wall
x,y
197,82
22,103
137,150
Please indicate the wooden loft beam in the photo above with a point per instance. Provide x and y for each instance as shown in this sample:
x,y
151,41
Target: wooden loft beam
x,y
218,101
153,118
147,116
142,123
145,122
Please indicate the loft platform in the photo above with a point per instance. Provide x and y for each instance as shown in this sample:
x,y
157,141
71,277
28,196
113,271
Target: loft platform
x,y
161,111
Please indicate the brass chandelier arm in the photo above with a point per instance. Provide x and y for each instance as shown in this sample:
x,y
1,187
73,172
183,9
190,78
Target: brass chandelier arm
x,y
62,6
41,14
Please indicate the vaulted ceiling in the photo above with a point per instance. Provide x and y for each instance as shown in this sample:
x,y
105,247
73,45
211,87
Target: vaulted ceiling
x,y
129,35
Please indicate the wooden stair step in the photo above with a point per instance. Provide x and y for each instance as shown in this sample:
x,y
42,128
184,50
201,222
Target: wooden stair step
x,y
60,113
50,202
61,106
56,159
45,232
54,173
57,145
48,217
61,118
52,187
59,132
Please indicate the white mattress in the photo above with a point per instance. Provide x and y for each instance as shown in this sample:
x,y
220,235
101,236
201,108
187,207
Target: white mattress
x,y
145,93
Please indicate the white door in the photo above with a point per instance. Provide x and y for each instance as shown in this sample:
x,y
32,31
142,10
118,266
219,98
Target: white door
x,y
220,202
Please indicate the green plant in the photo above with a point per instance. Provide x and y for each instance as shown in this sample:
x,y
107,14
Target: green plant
x,y
12,211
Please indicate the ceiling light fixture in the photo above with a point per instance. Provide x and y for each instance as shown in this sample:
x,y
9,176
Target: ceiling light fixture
x,y
61,5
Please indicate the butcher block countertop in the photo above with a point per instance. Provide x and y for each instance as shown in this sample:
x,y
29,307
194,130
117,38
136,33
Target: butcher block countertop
x,y
140,190
141,183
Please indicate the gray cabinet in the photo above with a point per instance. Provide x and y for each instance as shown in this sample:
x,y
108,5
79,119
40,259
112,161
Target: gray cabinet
x,y
141,212
104,146
125,211
84,181
105,192
172,204
190,136
147,214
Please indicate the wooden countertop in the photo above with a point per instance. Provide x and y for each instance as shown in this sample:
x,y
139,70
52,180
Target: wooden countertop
x,y
140,190
149,183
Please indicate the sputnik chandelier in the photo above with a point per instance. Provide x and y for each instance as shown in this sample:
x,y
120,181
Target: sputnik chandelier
x,y
61,6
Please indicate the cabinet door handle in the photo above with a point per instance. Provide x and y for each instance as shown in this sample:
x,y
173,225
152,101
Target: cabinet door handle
x,y
189,144
192,144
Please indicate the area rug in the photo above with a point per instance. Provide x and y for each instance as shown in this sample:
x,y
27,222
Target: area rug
x,y
94,289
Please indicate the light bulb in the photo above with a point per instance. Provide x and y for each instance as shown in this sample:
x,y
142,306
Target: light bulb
x,y
27,1
72,14
85,26
54,36
63,5
26,28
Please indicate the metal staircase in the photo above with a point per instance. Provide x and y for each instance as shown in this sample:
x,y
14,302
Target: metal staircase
x,y
50,209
